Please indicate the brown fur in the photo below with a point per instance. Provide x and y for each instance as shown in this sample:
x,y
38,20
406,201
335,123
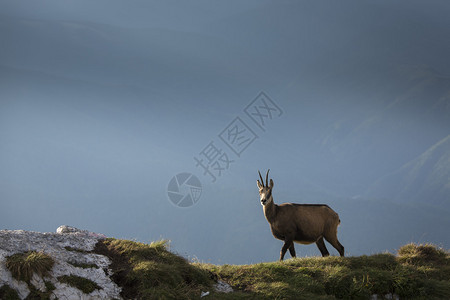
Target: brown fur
x,y
301,223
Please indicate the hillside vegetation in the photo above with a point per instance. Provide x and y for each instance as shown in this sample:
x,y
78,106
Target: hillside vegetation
x,y
151,271
417,272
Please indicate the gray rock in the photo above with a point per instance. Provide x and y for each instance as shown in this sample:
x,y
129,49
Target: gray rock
x,y
68,245
64,229
223,287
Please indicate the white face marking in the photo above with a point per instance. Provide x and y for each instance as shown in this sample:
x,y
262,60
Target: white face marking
x,y
263,199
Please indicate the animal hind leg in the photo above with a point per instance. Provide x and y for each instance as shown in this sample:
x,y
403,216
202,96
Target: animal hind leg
x,y
287,245
323,249
335,243
292,250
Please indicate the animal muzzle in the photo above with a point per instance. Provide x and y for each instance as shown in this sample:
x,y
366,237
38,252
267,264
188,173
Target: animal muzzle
x,y
263,201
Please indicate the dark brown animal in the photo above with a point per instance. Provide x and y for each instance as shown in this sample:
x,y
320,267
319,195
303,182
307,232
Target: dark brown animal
x,y
301,223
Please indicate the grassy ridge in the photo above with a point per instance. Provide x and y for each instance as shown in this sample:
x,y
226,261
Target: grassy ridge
x,y
152,272
411,276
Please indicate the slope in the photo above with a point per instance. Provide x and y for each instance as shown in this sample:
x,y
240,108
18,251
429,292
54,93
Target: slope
x,y
424,179
150,271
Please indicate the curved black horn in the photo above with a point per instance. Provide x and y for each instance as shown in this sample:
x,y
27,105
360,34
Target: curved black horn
x,y
267,178
262,182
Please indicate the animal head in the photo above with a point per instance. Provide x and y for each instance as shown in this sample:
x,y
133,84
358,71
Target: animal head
x,y
265,191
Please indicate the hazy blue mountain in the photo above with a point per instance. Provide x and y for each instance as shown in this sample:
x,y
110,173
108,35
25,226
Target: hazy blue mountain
x,y
414,116
424,179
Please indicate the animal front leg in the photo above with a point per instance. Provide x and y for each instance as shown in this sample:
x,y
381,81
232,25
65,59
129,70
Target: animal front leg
x,y
287,245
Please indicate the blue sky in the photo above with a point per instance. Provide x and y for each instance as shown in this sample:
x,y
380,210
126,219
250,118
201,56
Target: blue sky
x,y
102,103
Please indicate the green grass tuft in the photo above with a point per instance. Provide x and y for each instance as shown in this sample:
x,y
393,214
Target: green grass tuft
x,y
23,265
419,254
41,295
49,286
82,265
71,249
8,293
150,271
83,284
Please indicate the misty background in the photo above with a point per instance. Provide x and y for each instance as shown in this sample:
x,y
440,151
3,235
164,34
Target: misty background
x,y
103,102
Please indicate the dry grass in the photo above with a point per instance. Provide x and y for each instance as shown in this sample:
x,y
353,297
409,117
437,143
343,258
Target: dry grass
x,y
150,271
23,265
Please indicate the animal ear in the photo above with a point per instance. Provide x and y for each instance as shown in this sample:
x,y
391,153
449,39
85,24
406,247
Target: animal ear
x,y
271,183
259,184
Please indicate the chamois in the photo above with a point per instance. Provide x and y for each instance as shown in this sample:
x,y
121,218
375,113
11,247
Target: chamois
x,y
301,223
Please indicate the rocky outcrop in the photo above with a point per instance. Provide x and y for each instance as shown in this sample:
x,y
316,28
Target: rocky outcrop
x,y
71,249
